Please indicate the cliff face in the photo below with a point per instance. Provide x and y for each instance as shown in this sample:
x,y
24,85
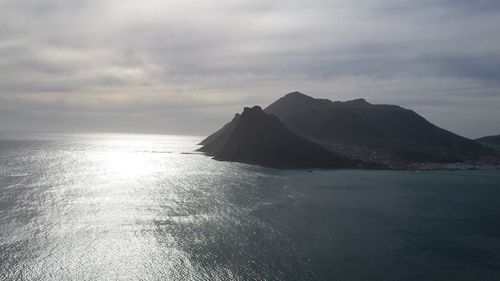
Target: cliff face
x,y
255,137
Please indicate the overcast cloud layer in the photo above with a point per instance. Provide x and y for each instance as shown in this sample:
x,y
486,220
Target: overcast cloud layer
x,y
187,66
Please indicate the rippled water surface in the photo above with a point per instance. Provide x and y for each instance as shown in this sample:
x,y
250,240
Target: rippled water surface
x,y
138,207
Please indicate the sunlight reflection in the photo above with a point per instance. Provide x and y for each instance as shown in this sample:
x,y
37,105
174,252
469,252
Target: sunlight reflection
x,y
132,156
126,164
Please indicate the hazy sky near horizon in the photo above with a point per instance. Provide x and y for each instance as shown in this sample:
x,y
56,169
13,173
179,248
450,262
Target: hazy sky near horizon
x,y
187,66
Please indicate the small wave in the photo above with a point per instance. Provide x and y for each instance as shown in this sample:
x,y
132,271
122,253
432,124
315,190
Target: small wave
x,y
19,175
153,151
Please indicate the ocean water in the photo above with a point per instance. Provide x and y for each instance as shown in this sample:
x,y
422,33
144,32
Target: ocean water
x,y
138,207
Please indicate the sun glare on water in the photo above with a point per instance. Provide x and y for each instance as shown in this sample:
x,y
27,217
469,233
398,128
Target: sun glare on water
x,y
126,164
133,156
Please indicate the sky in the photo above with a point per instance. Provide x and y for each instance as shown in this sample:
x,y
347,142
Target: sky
x,y
185,67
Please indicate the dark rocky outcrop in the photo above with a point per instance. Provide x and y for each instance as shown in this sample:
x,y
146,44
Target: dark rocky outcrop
x,y
298,131
216,141
255,137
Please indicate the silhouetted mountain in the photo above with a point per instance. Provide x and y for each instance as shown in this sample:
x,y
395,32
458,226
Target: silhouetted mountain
x,y
255,137
492,141
372,132
216,141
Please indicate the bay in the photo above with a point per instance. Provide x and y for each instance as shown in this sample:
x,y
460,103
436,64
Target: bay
x,y
145,207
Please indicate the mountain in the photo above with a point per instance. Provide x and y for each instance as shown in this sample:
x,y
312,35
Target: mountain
x,y
367,131
492,141
255,137
216,141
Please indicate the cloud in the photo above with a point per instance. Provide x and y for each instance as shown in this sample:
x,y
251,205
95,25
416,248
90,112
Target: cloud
x,y
88,59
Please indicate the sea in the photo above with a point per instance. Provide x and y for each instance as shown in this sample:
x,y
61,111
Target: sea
x,y
148,207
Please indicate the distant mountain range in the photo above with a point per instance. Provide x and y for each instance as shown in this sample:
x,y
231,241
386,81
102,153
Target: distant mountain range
x,y
300,131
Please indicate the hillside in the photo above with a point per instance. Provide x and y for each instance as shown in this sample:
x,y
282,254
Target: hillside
x,y
255,137
372,132
491,141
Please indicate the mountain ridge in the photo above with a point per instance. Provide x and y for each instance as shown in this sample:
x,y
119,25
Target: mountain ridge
x,y
255,137
399,133
492,141
354,134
